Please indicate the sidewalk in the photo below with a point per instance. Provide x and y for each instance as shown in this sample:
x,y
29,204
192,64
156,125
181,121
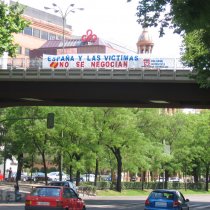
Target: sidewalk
x,y
7,191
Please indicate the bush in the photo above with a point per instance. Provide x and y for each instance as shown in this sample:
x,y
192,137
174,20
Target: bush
x,y
151,185
87,189
103,185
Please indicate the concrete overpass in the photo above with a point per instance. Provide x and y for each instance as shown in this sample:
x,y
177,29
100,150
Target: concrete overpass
x,y
141,87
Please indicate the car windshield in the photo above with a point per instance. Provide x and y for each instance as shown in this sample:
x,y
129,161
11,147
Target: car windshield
x,y
162,195
52,173
66,184
57,183
46,192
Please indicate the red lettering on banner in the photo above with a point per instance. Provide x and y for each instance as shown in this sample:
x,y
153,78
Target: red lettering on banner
x,y
64,64
109,64
80,64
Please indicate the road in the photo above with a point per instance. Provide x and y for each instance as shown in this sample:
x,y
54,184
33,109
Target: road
x,y
197,202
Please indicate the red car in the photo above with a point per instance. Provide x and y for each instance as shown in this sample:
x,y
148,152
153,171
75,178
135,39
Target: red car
x,y
53,198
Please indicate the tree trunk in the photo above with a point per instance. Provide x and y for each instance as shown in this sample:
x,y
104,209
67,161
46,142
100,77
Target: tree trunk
x,y
77,178
78,157
195,172
19,169
60,166
207,178
45,167
119,169
142,180
71,172
166,179
96,171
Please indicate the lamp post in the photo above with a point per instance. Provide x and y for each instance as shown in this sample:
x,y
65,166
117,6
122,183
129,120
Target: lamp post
x,y
64,15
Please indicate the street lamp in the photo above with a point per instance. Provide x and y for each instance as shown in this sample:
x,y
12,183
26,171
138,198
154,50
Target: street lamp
x,y
64,15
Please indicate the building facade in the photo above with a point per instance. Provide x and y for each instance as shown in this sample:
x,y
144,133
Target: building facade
x,y
44,35
145,43
43,26
78,46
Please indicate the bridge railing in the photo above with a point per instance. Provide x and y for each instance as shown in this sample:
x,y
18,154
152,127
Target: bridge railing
x,y
39,63
33,69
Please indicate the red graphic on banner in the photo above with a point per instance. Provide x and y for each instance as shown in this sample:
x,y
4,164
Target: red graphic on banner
x,y
54,65
89,36
146,62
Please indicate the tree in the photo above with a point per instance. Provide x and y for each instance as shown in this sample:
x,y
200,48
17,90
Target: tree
x,y
189,18
11,22
202,137
17,136
27,134
191,149
77,140
149,126
196,54
119,134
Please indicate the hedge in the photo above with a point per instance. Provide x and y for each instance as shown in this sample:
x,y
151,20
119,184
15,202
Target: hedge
x,y
106,185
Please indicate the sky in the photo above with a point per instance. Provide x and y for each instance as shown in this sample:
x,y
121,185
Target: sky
x,y
114,21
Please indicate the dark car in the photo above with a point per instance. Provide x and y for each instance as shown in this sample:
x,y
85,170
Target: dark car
x,y
133,179
53,197
65,184
109,178
167,200
38,177
23,177
79,180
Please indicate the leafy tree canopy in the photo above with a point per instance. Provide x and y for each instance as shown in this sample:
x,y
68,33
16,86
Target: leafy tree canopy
x,y
189,18
183,16
10,22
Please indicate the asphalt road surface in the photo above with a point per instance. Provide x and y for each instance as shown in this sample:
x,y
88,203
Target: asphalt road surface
x,y
197,202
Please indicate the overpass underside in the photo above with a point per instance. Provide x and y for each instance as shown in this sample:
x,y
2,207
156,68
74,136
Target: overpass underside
x,y
120,88
128,94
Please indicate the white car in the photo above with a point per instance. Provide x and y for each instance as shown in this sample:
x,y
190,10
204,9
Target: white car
x,y
54,176
64,183
175,179
88,177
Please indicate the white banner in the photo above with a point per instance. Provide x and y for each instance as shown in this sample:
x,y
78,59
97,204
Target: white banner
x,y
116,61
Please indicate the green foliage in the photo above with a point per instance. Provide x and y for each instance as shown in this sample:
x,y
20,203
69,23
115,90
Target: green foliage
x,y
182,16
189,18
133,139
103,185
197,55
10,22
152,185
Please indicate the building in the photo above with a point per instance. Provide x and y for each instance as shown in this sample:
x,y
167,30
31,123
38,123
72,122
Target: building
x,y
78,46
44,35
145,43
43,26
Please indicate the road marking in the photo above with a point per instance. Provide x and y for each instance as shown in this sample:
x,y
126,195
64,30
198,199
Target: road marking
x,y
194,205
102,206
12,204
203,207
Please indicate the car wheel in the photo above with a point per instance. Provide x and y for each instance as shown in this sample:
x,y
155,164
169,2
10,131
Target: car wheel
x,y
84,208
